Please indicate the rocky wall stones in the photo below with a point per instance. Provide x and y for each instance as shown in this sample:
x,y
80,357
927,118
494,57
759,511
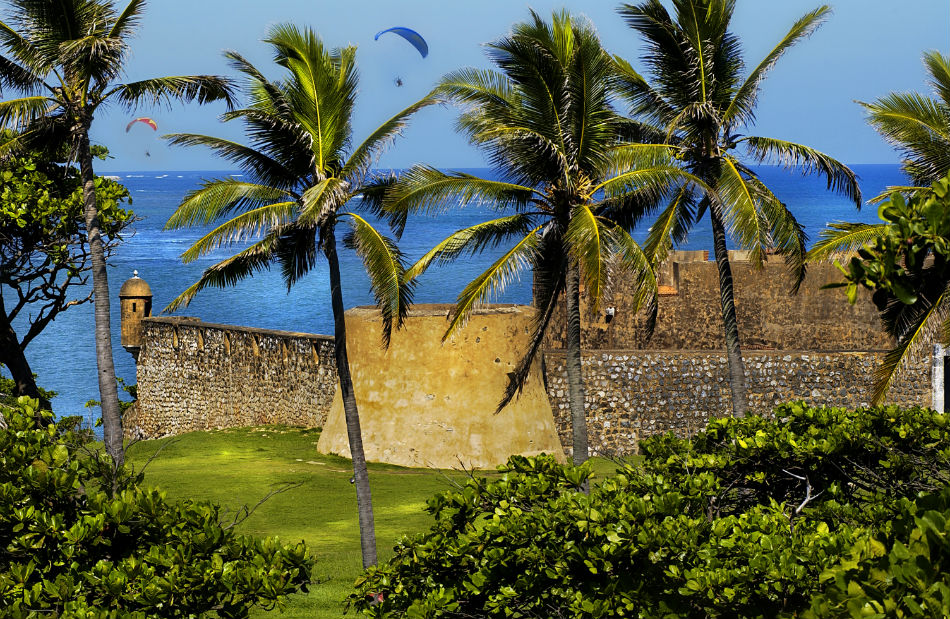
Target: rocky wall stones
x,y
769,316
634,394
198,376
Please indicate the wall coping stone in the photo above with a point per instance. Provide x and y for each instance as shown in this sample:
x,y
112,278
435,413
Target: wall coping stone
x,y
639,352
184,321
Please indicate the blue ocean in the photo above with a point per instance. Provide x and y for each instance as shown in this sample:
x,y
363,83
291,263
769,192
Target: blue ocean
x,y
63,357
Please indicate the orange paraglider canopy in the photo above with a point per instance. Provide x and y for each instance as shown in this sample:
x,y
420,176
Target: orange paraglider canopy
x,y
148,121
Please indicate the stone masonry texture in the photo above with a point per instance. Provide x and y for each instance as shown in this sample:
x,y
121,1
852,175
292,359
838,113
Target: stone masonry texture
x,y
633,394
198,376
813,346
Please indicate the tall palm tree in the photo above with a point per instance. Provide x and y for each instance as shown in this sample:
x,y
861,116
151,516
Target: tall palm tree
x,y
304,176
699,101
545,121
918,126
66,57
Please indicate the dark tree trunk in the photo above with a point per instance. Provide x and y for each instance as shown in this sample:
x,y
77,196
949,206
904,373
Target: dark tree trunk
x,y
364,500
108,391
729,322
575,377
11,355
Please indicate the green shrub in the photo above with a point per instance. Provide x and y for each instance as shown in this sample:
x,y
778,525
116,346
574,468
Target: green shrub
x,y
72,548
903,571
741,521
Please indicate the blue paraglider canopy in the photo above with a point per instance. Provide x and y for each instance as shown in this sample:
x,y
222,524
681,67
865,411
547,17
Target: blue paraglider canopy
x,y
410,35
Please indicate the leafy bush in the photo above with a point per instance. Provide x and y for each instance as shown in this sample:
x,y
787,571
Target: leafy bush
x,y
70,547
741,521
904,571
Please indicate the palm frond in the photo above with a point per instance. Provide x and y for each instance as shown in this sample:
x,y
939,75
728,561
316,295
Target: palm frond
x,y
426,189
659,178
321,201
365,155
671,226
518,378
226,273
127,21
644,101
807,160
19,114
297,251
842,240
321,91
631,263
587,241
220,197
918,127
242,227
891,191
476,87
787,237
740,110
19,78
926,324
493,280
166,90
472,240
938,66
744,221
385,266
24,51
259,165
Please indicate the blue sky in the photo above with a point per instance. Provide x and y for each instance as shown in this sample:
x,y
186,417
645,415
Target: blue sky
x,y
865,50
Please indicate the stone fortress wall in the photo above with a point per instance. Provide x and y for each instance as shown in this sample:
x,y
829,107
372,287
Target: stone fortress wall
x,y
199,376
814,346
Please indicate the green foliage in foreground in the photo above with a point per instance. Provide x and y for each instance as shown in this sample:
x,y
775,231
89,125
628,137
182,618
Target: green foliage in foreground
x,y
71,549
752,518
906,264
902,572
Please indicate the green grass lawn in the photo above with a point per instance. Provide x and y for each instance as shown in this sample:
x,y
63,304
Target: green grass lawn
x,y
237,468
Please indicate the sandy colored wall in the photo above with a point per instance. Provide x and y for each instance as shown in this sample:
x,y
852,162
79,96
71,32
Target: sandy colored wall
x,y
425,403
198,376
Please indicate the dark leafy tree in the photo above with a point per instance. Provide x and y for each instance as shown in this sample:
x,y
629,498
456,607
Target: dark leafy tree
x,y
44,251
906,265
573,190
304,177
698,100
73,546
66,58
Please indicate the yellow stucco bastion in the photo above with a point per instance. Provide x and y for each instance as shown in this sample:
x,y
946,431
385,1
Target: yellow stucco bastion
x,y
423,402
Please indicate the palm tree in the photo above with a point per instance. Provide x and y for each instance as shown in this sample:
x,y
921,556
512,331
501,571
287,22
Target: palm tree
x,y
918,126
698,101
66,57
545,121
303,177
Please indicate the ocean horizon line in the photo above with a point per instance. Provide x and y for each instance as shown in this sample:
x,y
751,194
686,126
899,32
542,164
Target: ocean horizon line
x,y
240,172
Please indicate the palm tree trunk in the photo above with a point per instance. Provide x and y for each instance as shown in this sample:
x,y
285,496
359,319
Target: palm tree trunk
x,y
729,322
108,391
575,377
364,500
